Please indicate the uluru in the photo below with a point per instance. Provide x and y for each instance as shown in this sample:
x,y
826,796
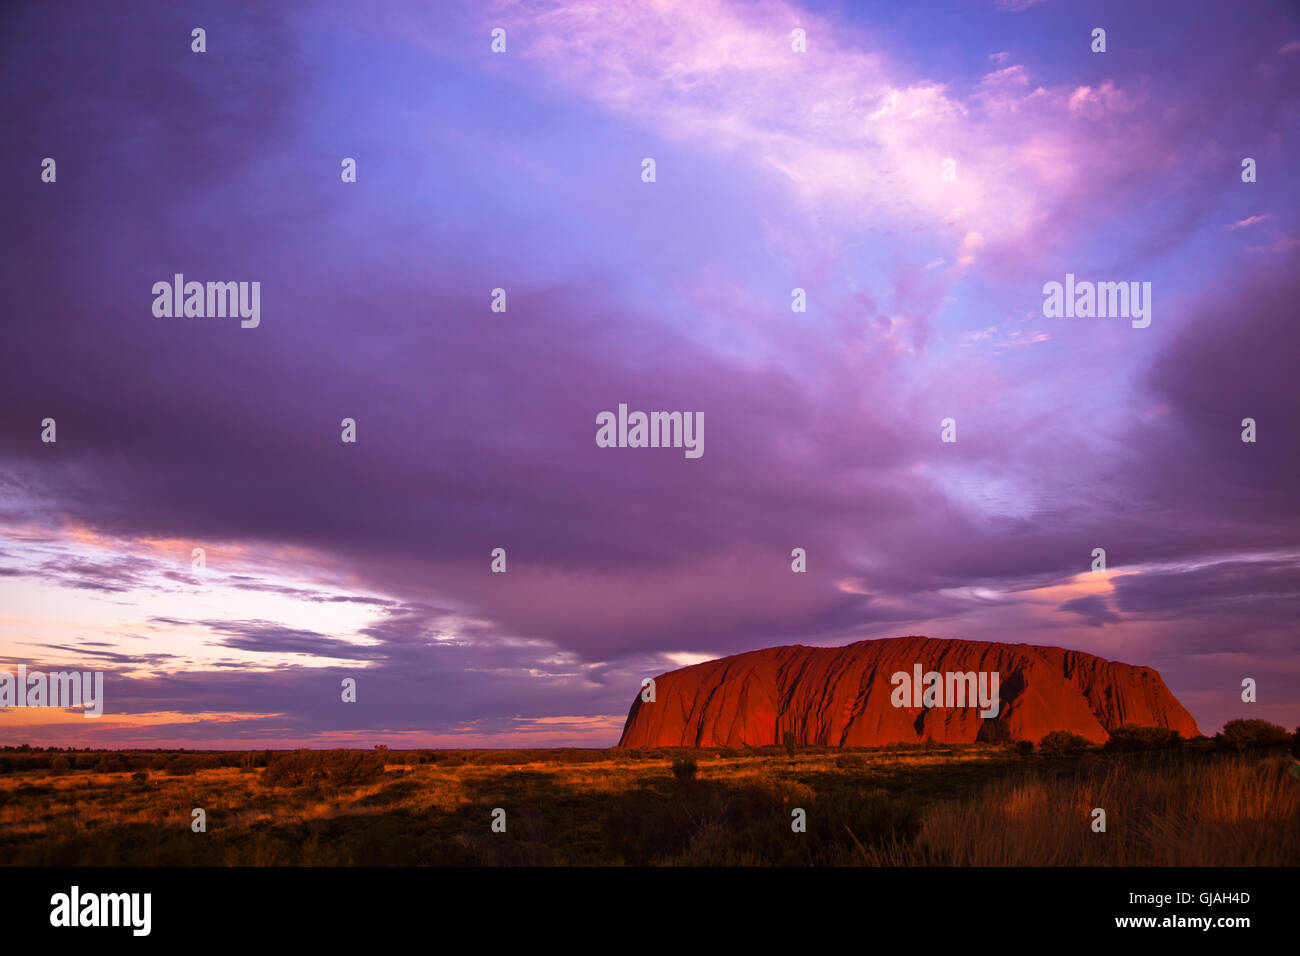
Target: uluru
x,y
845,696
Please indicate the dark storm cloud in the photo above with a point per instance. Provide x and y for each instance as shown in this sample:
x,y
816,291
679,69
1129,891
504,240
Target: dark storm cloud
x,y
1248,590
475,429
1094,609
267,638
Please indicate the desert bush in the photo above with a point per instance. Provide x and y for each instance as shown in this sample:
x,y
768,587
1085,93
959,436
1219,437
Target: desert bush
x,y
60,764
353,768
1131,737
182,765
339,768
110,763
1059,742
1242,735
788,740
685,769
296,769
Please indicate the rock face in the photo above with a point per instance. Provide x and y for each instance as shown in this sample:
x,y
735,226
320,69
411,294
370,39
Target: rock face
x,y
841,696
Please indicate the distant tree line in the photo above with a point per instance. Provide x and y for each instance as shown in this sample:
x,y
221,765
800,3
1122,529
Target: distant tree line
x,y
332,766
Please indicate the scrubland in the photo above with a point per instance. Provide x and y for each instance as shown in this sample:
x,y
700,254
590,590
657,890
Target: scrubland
x,y
901,806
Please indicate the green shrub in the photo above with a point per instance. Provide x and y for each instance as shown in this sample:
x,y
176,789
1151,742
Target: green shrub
x,y
1059,742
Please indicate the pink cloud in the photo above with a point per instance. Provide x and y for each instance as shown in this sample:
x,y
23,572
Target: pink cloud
x,y
844,128
1249,221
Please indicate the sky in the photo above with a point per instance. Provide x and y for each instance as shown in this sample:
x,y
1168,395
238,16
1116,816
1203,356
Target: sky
x,y
774,170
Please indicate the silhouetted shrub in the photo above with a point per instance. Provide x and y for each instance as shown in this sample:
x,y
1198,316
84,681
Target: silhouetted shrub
x,y
1011,744
788,740
1252,735
1059,742
60,764
1131,737
685,769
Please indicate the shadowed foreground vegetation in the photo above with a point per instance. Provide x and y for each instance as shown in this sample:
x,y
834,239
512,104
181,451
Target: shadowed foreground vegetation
x,y
1190,803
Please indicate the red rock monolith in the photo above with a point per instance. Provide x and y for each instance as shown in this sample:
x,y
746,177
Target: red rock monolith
x,y
841,696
